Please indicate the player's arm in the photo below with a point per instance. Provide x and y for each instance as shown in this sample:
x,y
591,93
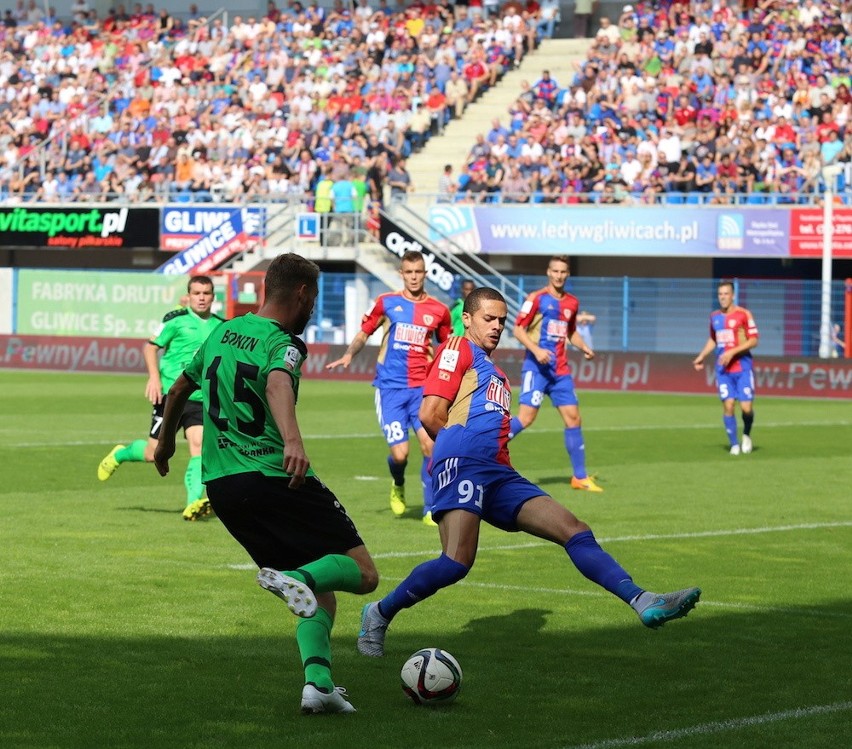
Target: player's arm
x,y
576,340
154,386
434,414
282,405
178,396
525,318
542,356
358,342
709,347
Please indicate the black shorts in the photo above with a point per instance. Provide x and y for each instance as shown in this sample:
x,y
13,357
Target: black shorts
x,y
280,527
192,416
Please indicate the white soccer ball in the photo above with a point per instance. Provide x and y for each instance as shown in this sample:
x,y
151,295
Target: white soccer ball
x,y
431,677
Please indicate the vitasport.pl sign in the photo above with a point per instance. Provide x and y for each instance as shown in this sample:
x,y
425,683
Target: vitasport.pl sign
x,y
77,228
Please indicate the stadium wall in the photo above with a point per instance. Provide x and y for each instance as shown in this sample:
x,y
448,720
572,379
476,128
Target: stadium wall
x,y
626,372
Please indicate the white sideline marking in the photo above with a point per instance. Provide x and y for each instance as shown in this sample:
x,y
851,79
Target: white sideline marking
x,y
718,726
536,430
647,537
367,478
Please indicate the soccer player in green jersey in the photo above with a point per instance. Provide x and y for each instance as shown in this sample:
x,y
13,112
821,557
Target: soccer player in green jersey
x,y
181,335
259,479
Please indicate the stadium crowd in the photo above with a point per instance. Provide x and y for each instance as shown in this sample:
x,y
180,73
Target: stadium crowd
x,y
145,105
693,99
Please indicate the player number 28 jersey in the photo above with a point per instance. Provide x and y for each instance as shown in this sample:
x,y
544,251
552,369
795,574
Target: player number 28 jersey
x,y
481,403
232,369
406,347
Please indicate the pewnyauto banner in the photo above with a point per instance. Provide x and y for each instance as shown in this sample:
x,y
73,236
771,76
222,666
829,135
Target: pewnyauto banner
x,y
72,354
626,231
98,304
77,228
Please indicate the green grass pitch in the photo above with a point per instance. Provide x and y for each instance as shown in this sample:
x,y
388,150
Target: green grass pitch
x,y
123,626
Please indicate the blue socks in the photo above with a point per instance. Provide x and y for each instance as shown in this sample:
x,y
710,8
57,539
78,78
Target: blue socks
x,y
599,567
397,470
515,427
423,581
576,451
730,423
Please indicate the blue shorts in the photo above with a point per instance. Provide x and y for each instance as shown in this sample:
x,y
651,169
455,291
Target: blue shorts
x,y
491,490
397,410
535,384
736,385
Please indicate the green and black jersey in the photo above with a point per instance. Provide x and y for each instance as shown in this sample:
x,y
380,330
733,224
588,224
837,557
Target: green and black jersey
x,y
181,335
232,368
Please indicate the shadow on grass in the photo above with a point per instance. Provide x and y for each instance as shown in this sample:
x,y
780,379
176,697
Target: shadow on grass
x,y
531,680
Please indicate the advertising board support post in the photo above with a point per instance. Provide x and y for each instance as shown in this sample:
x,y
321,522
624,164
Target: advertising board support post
x,y
829,174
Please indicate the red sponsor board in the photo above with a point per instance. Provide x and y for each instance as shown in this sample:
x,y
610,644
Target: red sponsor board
x,y
806,231
72,354
661,373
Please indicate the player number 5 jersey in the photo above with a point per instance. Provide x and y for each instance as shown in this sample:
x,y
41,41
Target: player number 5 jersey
x,y
730,329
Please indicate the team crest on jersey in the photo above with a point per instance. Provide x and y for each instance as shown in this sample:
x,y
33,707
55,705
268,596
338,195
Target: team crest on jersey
x,y
567,313
428,319
292,358
498,394
397,308
449,360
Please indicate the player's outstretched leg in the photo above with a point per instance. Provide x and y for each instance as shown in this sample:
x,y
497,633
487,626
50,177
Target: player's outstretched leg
x,y
655,609
371,637
299,598
315,702
133,453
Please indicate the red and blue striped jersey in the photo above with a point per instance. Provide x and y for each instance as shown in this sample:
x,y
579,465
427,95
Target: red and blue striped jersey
x,y
406,347
550,322
730,329
481,403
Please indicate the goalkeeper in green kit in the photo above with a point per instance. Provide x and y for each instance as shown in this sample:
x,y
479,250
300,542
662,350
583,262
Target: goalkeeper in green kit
x,y
181,335
258,476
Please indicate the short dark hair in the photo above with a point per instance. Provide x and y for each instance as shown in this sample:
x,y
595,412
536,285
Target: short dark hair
x,y
560,259
413,256
205,280
288,272
726,282
478,296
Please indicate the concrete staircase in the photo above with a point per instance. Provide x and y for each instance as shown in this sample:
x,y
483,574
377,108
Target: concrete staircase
x,y
559,56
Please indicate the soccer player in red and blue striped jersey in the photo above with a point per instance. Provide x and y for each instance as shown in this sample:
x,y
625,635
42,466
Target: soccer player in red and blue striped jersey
x,y
410,320
733,335
546,324
467,410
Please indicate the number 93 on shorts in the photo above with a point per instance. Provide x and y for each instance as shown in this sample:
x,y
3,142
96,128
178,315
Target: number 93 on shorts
x,y
491,490
397,411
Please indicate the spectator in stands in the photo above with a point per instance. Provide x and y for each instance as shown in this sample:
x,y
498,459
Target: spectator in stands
x,y
447,186
399,180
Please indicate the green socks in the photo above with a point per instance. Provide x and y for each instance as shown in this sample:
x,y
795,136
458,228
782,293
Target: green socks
x,y
314,639
133,453
192,480
331,572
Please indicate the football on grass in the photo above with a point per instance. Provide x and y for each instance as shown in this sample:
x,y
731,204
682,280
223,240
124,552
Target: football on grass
x,y
431,677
